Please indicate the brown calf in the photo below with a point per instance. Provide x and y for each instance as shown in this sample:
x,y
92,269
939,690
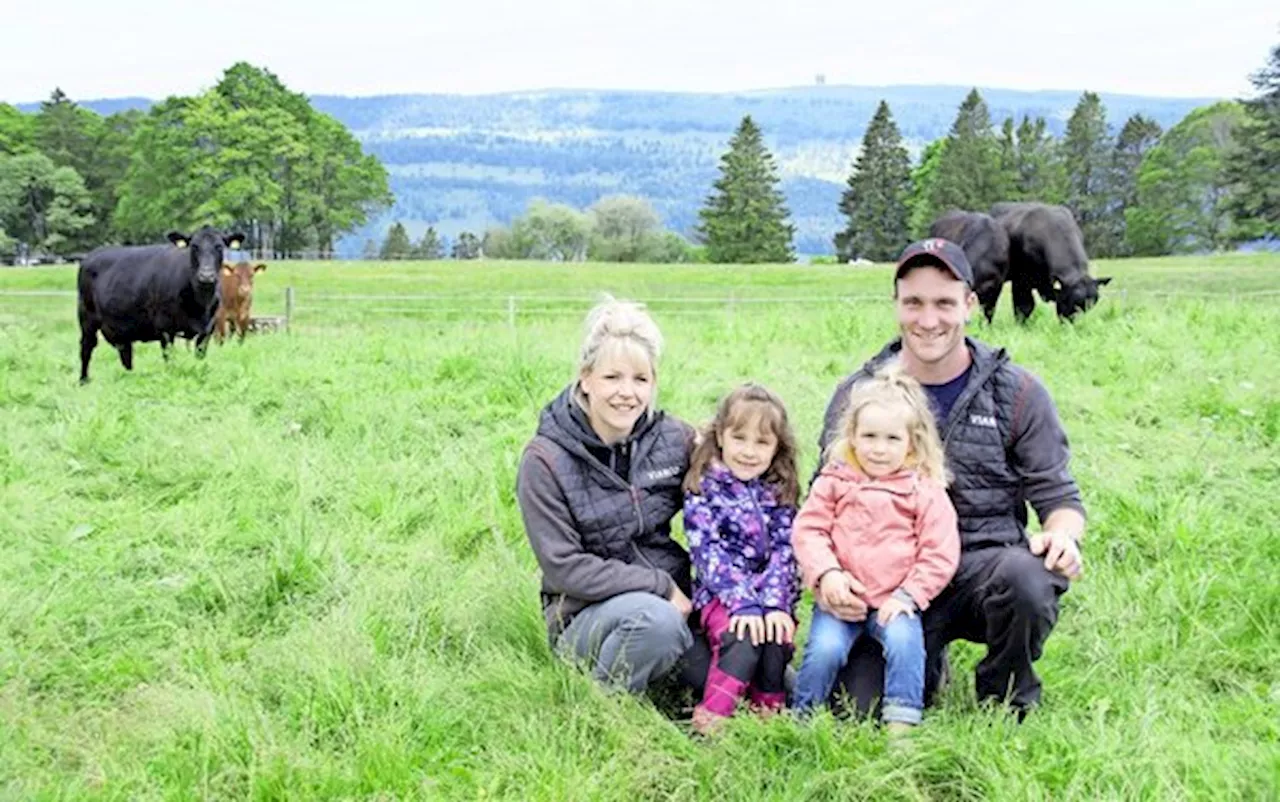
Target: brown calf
x,y
237,298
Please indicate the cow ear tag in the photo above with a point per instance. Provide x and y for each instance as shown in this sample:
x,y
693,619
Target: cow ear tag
x,y
181,243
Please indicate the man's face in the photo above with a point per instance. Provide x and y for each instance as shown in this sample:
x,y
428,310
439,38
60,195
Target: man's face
x,y
933,307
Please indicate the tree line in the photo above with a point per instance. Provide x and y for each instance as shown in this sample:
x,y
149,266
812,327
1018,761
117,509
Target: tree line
x,y
1207,183
251,154
247,154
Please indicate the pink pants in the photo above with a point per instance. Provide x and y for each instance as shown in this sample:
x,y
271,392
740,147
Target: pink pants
x,y
739,669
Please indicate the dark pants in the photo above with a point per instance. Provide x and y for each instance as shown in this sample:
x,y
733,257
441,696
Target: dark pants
x,y
739,669
1001,596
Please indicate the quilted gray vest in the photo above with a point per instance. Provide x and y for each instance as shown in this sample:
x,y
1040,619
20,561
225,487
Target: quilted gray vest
x,y
621,519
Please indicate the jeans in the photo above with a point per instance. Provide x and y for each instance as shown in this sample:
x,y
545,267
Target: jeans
x,y
628,640
827,651
1001,596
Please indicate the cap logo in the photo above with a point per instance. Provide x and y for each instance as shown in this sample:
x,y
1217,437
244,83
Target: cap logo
x,y
932,245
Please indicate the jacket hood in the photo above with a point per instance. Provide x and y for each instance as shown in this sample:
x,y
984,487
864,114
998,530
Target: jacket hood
x,y
565,423
902,481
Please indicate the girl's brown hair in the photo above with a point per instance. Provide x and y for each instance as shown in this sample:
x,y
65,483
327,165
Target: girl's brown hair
x,y
750,403
891,386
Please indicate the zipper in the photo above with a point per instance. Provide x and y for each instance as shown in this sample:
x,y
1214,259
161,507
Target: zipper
x,y
962,403
764,523
635,501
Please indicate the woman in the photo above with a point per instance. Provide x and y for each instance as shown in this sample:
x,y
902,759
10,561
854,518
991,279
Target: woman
x,y
598,486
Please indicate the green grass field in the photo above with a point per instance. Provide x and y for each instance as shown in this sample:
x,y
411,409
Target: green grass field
x,y
296,570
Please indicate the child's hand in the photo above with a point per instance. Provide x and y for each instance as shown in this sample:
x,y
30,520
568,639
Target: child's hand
x,y
740,625
779,627
891,609
838,594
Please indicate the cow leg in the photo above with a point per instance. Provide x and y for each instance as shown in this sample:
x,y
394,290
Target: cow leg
x,y
126,355
88,341
243,325
1024,303
166,342
220,326
989,296
202,343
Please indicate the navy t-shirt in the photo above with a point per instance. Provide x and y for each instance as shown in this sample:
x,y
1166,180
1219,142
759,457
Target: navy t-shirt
x,y
942,397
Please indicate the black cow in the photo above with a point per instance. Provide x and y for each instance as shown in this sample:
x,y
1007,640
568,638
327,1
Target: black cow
x,y
151,292
1046,255
985,244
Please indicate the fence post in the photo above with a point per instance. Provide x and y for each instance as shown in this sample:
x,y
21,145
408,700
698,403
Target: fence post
x,y
288,306
511,312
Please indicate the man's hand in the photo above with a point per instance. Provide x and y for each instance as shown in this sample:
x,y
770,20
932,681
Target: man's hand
x,y
680,600
840,594
1061,554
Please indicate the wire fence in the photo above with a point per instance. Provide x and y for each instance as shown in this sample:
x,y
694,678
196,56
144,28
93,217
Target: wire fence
x,y
294,306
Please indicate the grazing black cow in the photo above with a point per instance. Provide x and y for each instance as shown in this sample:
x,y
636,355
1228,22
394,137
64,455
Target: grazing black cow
x,y
985,244
1046,255
151,292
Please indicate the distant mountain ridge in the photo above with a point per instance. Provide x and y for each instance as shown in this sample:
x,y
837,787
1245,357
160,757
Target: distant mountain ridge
x,y
465,162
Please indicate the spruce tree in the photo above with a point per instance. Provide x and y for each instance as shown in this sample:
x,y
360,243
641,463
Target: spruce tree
x,y
745,219
876,199
1253,165
396,245
1039,175
969,175
1137,137
1086,160
429,247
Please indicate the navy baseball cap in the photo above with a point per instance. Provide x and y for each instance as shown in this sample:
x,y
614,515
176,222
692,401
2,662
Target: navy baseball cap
x,y
938,252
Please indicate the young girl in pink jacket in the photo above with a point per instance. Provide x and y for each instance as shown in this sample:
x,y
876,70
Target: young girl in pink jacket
x,y
878,524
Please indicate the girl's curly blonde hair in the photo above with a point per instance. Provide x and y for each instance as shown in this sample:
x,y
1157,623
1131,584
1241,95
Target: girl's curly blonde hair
x,y
891,387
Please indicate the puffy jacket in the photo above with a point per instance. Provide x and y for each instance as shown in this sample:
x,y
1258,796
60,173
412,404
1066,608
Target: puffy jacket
x,y
894,533
598,516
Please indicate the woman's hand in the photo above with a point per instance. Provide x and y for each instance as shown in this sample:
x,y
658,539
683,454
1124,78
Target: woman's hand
x,y
680,600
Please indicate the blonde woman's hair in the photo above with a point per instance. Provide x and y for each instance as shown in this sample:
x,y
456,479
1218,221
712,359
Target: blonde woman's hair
x,y
891,387
614,323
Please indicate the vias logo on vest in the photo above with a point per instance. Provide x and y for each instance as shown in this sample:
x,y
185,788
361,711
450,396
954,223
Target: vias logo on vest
x,y
985,421
658,474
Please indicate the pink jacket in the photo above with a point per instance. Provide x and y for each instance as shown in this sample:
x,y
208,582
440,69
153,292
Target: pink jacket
x,y
898,531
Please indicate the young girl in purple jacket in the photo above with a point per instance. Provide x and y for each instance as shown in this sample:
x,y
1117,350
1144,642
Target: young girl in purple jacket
x,y
741,494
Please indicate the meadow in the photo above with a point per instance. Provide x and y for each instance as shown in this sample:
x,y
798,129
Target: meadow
x,y
296,569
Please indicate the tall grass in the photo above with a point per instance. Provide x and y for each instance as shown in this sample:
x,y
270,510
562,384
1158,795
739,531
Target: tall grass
x,y
296,569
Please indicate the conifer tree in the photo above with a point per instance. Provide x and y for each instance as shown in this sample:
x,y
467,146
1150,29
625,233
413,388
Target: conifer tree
x,y
876,199
745,219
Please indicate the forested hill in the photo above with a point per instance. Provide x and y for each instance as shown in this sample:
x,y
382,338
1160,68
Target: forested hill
x,y
465,162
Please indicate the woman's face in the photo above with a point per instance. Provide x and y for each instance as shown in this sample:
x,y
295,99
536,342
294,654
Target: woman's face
x,y
619,389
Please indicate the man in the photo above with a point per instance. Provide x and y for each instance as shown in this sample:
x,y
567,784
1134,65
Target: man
x,y
1006,448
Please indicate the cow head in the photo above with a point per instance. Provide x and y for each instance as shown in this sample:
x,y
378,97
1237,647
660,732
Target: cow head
x,y
1072,299
240,276
205,248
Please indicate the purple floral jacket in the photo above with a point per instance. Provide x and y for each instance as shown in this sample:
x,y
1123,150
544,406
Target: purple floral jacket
x,y
740,542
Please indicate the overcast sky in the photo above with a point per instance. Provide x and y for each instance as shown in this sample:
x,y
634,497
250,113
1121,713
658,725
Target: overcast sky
x,y
153,48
